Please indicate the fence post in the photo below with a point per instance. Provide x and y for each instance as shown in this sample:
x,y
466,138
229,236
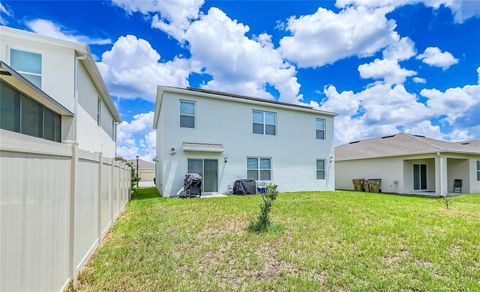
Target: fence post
x,y
119,195
99,206
111,190
71,231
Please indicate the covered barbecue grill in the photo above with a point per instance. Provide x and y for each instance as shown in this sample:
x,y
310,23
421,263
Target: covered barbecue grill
x,y
192,185
244,187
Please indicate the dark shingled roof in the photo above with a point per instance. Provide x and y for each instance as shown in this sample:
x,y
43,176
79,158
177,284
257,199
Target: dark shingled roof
x,y
402,145
257,99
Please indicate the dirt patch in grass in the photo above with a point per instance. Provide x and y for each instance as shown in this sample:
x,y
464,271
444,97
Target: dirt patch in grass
x,y
396,259
273,267
232,226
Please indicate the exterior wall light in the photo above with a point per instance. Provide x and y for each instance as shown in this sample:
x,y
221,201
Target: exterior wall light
x,y
173,151
226,159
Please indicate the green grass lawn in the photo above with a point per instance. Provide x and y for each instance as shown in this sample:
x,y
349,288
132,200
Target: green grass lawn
x,y
329,240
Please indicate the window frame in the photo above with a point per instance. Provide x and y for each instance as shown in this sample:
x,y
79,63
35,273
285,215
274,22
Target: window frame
x,y
321,170
57,118
324,128
478,170
28,50
99,111
187,115
114,130
264,122
259,169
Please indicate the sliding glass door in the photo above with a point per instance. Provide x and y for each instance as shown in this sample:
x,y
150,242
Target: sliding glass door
x,y
208,169
420,177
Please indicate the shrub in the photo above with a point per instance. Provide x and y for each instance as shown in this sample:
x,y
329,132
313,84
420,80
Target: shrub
x,y
447,200
262,223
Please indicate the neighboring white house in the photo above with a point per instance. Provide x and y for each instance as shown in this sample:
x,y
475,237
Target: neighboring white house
x,y
410,164
146,172
52,89
226,137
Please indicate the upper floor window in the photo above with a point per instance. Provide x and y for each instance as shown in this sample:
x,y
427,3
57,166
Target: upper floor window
x,y
320,169
20,113
187,114
114,130
259,168
320,128
28,64
478,170
99,111
264,123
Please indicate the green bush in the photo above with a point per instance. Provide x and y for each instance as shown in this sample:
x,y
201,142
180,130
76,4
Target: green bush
x,y
262,223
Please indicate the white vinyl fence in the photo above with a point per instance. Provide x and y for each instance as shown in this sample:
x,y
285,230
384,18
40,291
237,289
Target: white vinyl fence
x,y
56,204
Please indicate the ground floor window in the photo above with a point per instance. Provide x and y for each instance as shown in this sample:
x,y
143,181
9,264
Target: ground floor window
x,y
320,168
20,113
259,168
478,170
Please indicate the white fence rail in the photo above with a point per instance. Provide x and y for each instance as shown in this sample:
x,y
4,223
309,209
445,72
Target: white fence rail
x,y
56,204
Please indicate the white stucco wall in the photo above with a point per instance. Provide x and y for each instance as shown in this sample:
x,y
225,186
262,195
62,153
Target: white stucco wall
x,y
293,151
57,65
458,169
474,183
90,136
401,169
58,81
57,70
408,174
146,174
387,169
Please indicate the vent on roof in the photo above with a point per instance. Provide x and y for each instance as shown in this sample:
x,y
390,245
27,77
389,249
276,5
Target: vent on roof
x,y
420,136
385,137
354,142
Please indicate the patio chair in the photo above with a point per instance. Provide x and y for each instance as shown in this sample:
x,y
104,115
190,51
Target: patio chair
x,y
457,185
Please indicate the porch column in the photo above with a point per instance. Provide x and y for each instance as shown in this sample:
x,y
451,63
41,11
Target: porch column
x,y
441,175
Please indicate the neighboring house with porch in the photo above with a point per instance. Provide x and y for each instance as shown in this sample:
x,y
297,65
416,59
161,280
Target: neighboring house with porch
x,y
225,137
52,89
410,164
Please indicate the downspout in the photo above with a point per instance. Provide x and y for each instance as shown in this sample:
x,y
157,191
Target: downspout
x,y
75,95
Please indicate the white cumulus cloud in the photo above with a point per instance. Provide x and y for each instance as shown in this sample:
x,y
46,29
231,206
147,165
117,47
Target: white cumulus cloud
x,y
388,70
453,102
433,56
171,16
137,137
325,36
220,47
132,69
461,9
419,80
378,110
400,50
49,28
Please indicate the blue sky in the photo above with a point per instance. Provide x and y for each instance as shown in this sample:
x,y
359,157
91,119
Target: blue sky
x,y
385,66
